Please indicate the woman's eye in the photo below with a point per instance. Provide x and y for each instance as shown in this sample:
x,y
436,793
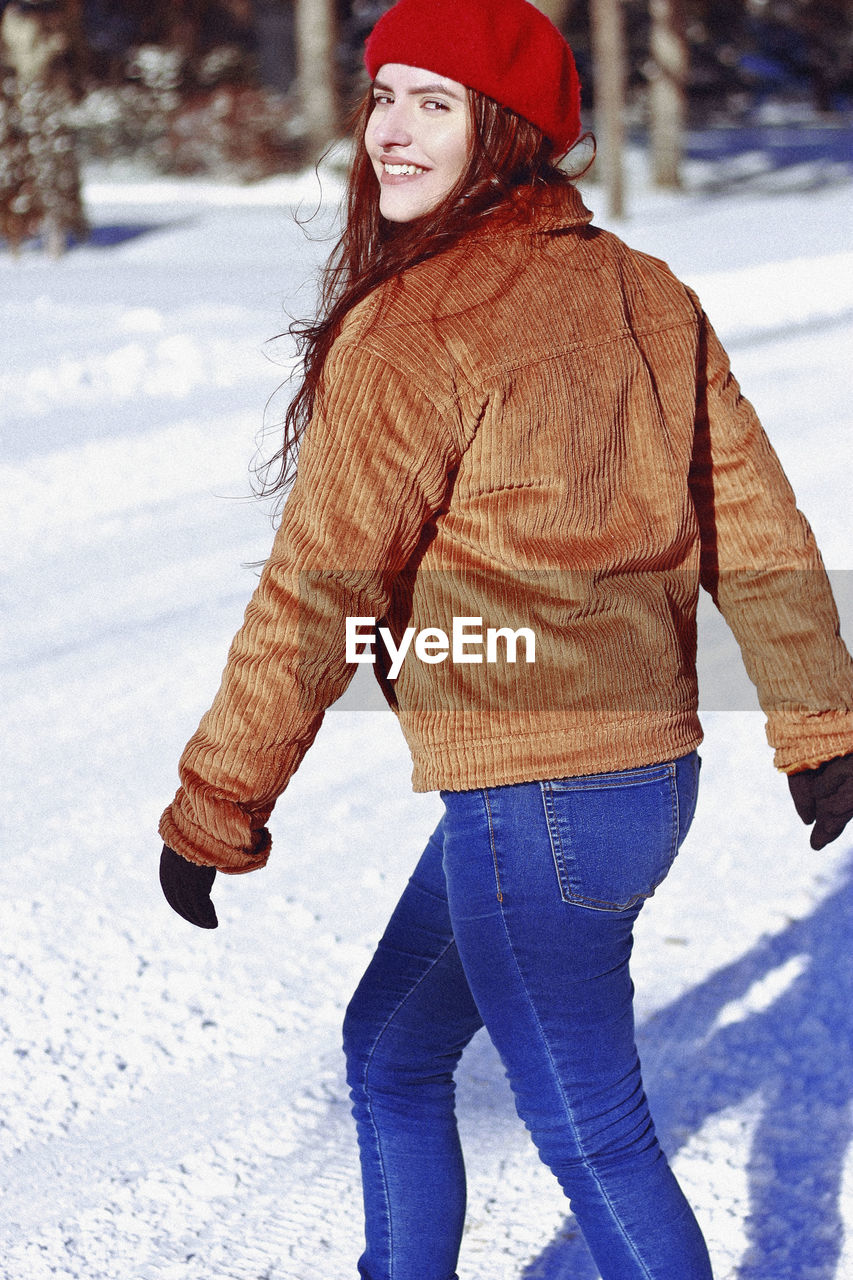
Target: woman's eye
x,y
381,99
433,105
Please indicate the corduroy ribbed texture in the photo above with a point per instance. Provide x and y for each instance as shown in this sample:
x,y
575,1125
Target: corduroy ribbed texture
x,y
538,428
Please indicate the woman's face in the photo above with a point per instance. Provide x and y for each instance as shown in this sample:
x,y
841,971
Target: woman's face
x,y
417,138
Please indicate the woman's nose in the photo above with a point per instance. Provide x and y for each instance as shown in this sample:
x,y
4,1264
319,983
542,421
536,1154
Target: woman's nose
x,y
392,128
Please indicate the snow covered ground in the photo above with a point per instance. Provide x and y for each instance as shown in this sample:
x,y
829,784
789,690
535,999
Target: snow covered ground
x,y
173,1102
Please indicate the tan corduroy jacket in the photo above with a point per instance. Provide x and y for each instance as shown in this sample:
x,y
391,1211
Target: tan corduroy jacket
x,y
537,430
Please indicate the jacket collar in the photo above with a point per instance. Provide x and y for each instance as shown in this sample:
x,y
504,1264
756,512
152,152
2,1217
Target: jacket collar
x,y
561,209
536,210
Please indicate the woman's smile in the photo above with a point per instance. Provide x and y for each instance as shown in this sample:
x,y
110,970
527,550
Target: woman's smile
x,y
417,138
395,169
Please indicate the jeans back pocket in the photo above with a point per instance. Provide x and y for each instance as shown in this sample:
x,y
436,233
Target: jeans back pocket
x,y
614,836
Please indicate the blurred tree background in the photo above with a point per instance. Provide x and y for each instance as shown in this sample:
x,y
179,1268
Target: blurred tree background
x,y
247,88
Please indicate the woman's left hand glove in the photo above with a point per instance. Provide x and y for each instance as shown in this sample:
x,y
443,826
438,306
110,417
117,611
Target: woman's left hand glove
x,y
824,796
187,887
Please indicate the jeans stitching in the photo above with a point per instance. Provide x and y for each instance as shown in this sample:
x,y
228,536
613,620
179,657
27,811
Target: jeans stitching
x,y
554,835
556,1077
567,893
492,846
676,814
621,778
367,1061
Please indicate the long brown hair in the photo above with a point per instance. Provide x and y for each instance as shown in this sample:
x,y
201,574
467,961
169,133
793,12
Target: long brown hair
x,y
508,156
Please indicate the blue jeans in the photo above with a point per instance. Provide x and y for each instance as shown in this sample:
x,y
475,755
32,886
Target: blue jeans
x,y
519,916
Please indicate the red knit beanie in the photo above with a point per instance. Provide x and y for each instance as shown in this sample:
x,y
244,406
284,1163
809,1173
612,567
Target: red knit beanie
x,y
506,49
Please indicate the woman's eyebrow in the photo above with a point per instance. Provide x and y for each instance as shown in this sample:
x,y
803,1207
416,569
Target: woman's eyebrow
x,y
437,87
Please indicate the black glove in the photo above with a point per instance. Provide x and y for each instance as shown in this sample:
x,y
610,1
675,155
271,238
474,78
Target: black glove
x,y
187,888
824,796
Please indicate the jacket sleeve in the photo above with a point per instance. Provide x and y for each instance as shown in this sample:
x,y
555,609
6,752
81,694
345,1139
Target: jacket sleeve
x,y
762,566
373,468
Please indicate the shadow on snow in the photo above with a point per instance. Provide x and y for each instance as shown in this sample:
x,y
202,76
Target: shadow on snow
x,y
796,1055
106,235
750,157
109,235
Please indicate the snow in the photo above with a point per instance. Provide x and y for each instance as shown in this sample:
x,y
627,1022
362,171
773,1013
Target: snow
x,y
174,1100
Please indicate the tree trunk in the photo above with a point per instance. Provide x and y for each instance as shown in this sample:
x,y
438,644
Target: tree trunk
x,y
608,51
668,90
316,71
41,190
556,10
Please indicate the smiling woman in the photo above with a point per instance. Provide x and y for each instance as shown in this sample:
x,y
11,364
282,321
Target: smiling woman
x,y
484,160
418,139
510,417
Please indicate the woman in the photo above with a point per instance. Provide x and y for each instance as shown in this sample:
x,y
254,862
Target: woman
x,y
520,434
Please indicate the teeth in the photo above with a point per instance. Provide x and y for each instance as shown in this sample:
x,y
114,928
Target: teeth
x,y
397,170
